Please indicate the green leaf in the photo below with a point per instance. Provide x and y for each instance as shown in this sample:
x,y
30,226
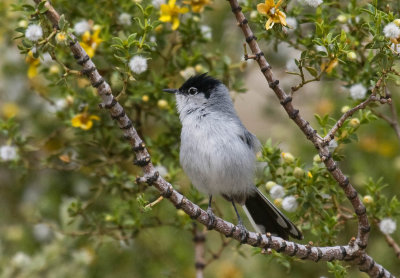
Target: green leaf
x,y
20,30
41,7
312,71
122,59
132,39
29,8
61,22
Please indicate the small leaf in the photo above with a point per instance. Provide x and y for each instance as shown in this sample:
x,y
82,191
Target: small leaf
x,y
61,22
41,7
312,71
131,39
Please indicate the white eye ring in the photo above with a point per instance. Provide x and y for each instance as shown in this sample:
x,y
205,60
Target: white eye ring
x,y
192,91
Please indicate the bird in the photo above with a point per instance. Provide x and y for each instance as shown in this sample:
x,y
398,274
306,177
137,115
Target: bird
x,y
218,154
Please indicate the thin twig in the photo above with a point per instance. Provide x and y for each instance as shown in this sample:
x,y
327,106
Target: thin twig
x,y
199,239
393,244
362,105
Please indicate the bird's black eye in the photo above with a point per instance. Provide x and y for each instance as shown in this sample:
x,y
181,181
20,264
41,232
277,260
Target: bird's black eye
x,y
192,91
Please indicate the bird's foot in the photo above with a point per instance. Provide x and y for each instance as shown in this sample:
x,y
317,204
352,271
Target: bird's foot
x,y
211,219
244,234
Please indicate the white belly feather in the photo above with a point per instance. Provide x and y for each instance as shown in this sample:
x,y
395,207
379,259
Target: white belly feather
x,y
214,157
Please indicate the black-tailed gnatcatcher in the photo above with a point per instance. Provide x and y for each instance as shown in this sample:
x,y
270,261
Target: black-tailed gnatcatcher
x,y
219,154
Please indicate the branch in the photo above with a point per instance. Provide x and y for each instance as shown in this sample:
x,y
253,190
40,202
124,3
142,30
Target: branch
x,y
199,239
348,252
393,120
362,105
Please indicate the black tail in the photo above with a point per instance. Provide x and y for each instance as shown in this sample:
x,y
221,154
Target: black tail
x,y
267,218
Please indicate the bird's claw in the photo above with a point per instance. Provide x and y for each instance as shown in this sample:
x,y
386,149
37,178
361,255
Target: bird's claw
x,y
244,234
211,219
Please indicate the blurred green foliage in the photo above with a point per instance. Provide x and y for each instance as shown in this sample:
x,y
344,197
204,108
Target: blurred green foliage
x,y
70,205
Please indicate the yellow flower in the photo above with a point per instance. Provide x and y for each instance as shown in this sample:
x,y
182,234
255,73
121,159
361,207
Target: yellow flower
x,y
309,174
170,13
197,5
84,120
145,98
10,109
270,9
61,37
90,42
33,64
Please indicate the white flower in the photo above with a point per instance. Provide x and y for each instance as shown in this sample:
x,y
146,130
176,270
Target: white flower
x,y
188,72
34,32
8,153
391,31
46,59
395,47
206,32
321,48
81,27
157,3
291,66
42,232
325,196
292,23
387,226
83,256
253,14
125,19
313,3
21,259
290,204
161,170
332,145
138,64
57,105
277,191
358,91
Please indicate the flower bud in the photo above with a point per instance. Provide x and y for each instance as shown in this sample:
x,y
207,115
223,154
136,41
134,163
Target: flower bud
x,y
54,69
145,98
368,199
269,185
199,68
345,109
397,22
287,157
253,14
109,218
23,23
180,212
355,122
351,55
278,202
341,18
298,172
162,104
317,158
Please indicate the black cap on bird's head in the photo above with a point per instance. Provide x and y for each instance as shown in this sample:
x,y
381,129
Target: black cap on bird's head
x,y
202,83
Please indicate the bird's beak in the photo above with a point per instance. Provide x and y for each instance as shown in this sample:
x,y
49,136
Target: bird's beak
x,y
171,91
